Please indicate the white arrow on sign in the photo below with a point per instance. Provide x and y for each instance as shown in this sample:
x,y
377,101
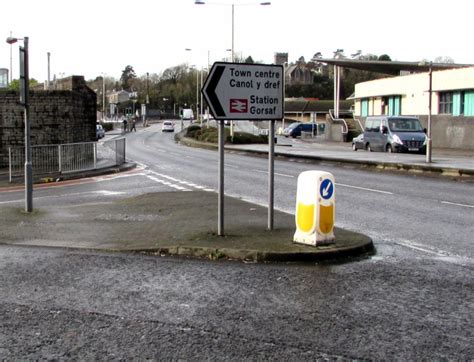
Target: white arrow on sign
x,y
245,91
326,190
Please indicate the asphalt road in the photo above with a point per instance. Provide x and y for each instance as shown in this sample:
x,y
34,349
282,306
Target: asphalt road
x,y
418,212
412,300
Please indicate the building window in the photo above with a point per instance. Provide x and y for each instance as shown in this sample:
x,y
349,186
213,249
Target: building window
x,y
457,103
364,107
391,106
445,103
468,103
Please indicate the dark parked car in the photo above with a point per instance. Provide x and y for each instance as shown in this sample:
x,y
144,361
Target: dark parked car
x,y
358,143
394,134
295,129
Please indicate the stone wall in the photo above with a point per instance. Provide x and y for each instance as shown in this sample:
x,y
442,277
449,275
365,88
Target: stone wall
x,y
64,115
451,132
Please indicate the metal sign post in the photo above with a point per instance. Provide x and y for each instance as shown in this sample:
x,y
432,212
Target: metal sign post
x,y
24,100
220,203
271,173
250,92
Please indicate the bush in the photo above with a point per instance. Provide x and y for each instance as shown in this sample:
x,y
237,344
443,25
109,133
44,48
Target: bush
x,y
192,130
211,135
241,138
108,126
351,135
208,135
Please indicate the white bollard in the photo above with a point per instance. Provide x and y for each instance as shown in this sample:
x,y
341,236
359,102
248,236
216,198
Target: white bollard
x,y
315,208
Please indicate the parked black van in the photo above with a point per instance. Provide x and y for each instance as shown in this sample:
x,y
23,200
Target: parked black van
x,y
295,129
394,134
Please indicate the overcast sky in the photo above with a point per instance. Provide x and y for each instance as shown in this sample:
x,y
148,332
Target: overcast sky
x,y
90,37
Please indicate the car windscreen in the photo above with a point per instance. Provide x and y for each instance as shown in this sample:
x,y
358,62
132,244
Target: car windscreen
x,y
405,125
294,125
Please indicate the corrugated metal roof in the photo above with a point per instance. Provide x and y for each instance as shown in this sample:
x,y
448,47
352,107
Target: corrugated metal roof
x,y
303,105
390,67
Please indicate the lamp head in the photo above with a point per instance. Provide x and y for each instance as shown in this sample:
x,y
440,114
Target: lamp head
x,y
11,40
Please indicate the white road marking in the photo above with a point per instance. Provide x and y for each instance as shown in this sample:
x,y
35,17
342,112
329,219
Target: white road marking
x,y
419,247
230,166
108,193
101,192
276,173
166,183
365,189
456,204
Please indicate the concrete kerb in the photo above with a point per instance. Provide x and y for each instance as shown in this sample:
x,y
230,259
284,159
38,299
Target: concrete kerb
x,y
391,166
56,177
380,165
359,251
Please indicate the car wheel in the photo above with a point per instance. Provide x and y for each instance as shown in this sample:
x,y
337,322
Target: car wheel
x,y
389,149
354,148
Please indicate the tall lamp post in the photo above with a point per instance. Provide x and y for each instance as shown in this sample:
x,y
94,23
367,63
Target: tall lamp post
x,y
262,3
103,97
430,92
202,2
24,94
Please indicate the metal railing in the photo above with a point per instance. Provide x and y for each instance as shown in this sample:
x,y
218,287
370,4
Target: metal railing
x,y
67,158
344,127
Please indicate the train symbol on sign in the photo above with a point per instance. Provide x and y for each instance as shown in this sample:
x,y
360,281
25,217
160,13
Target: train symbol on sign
x,y
238,105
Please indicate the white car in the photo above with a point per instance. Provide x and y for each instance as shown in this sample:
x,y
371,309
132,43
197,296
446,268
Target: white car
x,y
167,126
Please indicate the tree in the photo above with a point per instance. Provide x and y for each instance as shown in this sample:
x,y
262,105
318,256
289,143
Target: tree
x,y
249,60
15,84
385,57
128,74
444,60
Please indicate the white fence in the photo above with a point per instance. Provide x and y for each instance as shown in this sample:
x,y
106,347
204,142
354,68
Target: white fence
x,y
67,158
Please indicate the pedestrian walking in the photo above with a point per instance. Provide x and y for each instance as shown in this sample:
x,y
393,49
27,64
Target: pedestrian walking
x,y
134,121
124,125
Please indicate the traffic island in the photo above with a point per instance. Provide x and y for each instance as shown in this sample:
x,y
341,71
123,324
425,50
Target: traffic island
x,y
175,223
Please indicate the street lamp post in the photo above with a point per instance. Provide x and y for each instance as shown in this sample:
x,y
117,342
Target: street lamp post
x,y
103,97
197,93
49,73
147,101
430,91
263,3
202,2
24,95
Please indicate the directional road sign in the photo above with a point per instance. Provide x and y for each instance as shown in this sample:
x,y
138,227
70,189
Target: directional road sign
x,y
239,91
326,189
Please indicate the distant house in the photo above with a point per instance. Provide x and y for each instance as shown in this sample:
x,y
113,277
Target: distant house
x,y
119,97
298,74
452,102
